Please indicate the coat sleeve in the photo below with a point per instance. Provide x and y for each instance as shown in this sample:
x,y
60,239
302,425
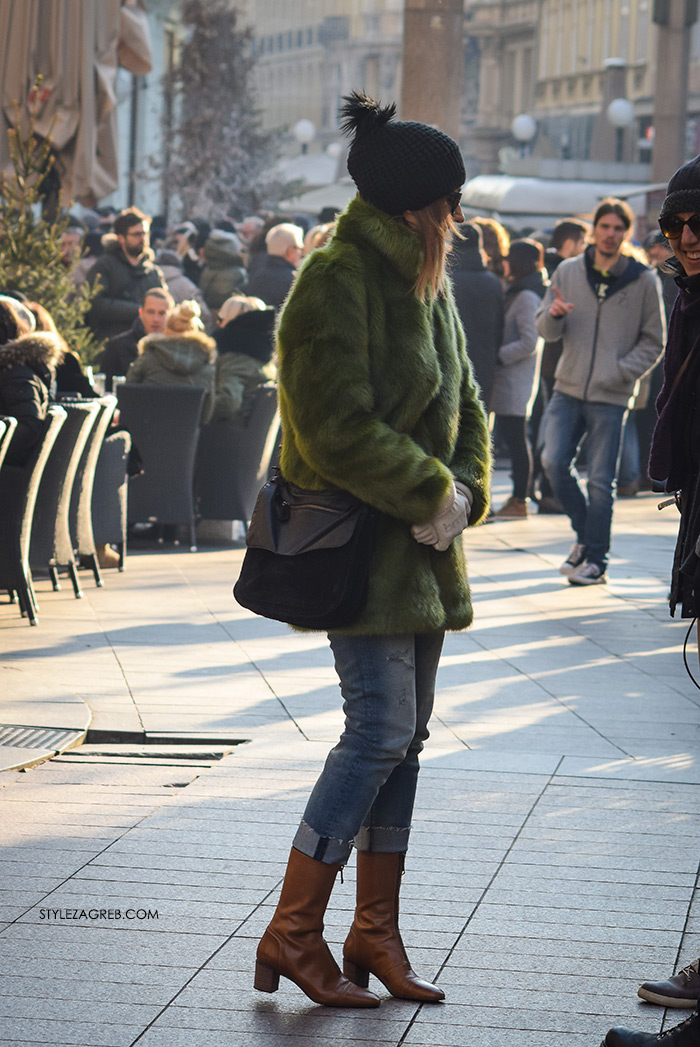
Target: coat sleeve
x,y
327,401
522,312
649,346
471,461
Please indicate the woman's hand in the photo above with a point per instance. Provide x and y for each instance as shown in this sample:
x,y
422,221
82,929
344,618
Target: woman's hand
x,y
450,520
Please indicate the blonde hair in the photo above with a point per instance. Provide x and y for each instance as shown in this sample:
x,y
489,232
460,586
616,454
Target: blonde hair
x,y
184,319
238,304
434,225
318,236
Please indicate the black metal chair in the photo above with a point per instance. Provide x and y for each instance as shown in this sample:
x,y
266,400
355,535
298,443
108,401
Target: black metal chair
x,y
81,497
164,423
233,462
7,428
51,543
109,494
19,486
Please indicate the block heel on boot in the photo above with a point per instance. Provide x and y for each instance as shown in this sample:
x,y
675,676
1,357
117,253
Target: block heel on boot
x,y
374,943
356,974
266,978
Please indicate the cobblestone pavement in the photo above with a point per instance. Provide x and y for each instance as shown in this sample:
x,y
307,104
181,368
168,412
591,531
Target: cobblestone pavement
x,y
554,859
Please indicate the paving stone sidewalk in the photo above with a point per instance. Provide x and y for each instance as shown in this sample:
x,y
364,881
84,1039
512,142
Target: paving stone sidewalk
x,y
554,859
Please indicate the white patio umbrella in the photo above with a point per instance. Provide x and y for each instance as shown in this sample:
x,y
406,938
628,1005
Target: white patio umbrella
x,y
76,46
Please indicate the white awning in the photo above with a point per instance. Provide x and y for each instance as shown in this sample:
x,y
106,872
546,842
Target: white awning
x,y
543,201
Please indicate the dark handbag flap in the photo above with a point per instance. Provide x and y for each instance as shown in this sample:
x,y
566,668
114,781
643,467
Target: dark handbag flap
x,y
288,520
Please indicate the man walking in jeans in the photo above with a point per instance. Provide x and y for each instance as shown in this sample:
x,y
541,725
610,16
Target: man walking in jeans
x,y
607,309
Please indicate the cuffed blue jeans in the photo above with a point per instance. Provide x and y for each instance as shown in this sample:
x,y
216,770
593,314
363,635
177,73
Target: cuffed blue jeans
x,y
567,420
366,791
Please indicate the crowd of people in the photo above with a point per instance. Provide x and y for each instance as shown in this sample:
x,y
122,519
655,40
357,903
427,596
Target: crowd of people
x,y
564,383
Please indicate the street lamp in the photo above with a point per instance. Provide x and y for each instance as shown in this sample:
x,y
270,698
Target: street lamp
x,y
523,129
304,132
620,114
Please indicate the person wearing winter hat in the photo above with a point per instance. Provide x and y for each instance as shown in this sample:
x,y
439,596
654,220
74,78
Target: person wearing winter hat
x,y
224,273
181,355
674,466
377,398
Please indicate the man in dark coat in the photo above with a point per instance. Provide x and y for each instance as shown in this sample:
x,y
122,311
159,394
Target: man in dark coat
x,y
122,350
479,299
126,271
275,274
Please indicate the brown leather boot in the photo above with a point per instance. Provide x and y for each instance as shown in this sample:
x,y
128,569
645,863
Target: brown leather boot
x,y
293,943
374,943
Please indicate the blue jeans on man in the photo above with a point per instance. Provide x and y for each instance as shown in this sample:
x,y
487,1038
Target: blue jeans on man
x,y
567,421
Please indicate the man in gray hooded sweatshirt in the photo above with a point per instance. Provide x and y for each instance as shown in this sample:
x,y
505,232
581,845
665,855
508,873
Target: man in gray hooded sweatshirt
x,y
607,309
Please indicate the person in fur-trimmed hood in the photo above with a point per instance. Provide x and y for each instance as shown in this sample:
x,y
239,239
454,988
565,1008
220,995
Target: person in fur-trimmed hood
x,y
377,398
181,355
27,368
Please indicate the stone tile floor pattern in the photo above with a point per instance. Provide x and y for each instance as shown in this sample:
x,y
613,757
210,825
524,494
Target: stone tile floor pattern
x,y
554,859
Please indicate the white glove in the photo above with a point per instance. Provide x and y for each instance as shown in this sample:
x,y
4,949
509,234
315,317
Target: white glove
x,y
450,520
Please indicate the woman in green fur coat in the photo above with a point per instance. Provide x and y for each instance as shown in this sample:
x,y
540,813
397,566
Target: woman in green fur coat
x,y
377,398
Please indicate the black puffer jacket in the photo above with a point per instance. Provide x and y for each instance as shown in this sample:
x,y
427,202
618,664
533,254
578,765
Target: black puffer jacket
x,y
116,305
26,370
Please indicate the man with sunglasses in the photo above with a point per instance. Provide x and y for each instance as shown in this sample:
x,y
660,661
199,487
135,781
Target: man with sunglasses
x,y
674,466
606,307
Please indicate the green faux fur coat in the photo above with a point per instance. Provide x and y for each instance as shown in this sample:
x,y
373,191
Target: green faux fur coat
x,y
377,397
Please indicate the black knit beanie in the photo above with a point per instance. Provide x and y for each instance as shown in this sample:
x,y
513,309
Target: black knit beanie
x,y
683,192
398,165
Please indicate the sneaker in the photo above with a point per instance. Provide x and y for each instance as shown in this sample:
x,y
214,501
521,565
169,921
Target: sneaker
x,y
513,509
682,990
588,574
577,556
687,1034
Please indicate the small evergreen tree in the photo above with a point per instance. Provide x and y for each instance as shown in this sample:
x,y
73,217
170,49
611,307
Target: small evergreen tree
x,y
30,240
221,160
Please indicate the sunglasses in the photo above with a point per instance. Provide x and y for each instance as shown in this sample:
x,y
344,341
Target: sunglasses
x,y
454,200
672,226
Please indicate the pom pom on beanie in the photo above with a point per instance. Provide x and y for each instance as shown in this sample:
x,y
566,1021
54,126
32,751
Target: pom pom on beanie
x,y
398,165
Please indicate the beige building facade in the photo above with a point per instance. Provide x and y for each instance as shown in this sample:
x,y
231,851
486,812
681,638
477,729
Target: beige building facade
x,y
563,62
311,52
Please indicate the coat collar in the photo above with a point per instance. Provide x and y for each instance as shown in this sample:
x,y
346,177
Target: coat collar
x,y
361,223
